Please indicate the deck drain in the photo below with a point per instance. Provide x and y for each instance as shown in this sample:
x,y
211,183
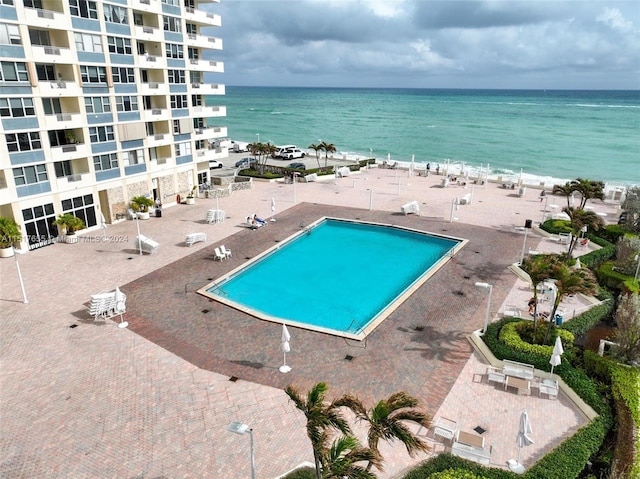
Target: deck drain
x,y
209,279
459,293
467,277
130,257
477,252
205,311
348,357
233,379
479,429
419,328
73,326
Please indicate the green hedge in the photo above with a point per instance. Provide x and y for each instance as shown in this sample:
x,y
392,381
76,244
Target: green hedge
x,y
582,323
302,473
615,280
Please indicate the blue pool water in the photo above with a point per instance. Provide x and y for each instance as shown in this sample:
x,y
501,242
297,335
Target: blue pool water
x,y
337,276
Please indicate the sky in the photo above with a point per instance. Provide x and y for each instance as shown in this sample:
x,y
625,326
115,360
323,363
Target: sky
x,y
515,44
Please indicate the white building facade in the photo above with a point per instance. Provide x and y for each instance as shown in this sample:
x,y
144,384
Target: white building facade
x,y
101,102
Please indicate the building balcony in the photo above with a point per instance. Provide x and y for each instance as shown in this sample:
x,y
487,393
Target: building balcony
x,y
157,114
153,88
208,66
73,182
151,34
62,121
151,6
209,110
208,155
159,164
47,19
207,89
202,17
59,88
51,54
160,139
152,61
202,41
70,152
209,133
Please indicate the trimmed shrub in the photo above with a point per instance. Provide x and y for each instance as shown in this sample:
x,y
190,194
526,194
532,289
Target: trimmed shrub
x,y
302,473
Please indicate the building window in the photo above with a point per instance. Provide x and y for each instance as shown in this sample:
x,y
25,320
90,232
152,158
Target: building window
x,y
171,2
6,2
62,168
115,14
46,72
173,50
38,223
51,106
105,162
13,71
9,35
192,29
83,208
99,134
23,141
84,8
97,104
29,175
93,74
198,123
39,37
123,75
119,45
127,103
17,107
196,100
133,157
176,76
183,149
194,53
172,24
86,42
179,101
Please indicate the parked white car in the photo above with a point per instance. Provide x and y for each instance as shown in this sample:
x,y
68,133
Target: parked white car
x,y
293,154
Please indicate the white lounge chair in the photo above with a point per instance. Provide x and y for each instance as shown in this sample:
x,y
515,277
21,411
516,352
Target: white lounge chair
x,y
411,207
226,252
218,255
192,238
105,305
146,244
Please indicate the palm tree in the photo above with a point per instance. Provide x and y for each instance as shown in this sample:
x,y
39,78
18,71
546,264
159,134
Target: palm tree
x,y
588,190
565,190
387,419
342,457
320,417
579,219
569,281
315,147
327,148
539,268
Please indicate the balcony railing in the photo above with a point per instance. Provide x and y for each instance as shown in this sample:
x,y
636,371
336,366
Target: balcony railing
x,y
52,50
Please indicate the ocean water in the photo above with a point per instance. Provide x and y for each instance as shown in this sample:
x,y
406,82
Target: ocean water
x,y
550,135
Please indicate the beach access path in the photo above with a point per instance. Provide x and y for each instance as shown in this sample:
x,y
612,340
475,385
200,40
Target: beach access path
x,y
98,401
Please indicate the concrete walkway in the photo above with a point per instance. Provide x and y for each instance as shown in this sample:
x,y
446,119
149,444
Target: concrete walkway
x,y
84,399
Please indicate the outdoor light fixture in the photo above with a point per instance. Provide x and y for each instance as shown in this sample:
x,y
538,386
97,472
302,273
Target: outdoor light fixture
x,y
241,428
527,227
486,317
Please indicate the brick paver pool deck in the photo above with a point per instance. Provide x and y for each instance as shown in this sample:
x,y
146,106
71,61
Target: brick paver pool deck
x,y
154,400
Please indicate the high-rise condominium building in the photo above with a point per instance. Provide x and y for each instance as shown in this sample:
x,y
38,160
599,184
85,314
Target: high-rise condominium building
x,y
102,101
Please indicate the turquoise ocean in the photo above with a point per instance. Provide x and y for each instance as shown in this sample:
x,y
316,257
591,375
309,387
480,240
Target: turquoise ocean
x,y
550,135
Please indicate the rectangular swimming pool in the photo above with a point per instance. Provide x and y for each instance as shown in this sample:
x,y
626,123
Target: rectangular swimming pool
x,y
337,276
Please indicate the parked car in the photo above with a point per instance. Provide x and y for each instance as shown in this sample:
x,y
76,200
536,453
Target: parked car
x,y
297,166
215,164
293,153
246,162
240,146
282,150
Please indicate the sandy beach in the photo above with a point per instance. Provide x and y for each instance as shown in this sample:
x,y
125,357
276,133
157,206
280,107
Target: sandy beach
x,y
87,399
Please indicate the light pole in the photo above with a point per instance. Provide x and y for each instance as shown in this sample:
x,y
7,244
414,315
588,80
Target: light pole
x,y
139,239
258,135
544,212
486,317
527,227
635,278
16,252
295,173
240,428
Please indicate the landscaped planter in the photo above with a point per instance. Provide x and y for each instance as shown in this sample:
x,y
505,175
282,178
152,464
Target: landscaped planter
x,y
143,215
70,238
6,252
190,201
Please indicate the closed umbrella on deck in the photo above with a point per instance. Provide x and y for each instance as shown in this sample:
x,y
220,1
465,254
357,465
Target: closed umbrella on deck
x,y
286,347
524,439
555,356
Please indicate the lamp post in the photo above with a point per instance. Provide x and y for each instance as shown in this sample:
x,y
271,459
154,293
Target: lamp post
x,y
240,428
486,317
527,227
16,252
139,239
258,135
544,212
635,278
295,173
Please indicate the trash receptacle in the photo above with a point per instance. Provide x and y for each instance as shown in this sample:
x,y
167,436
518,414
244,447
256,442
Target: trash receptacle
x,y
158,212
558,319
